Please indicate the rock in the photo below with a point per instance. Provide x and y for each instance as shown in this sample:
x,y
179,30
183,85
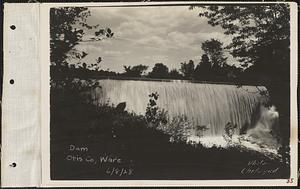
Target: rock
x,y
121,107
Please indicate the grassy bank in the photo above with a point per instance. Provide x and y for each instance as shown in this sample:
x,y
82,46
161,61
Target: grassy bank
x,y
89,142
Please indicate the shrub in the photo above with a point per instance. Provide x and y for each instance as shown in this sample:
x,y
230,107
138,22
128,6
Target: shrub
x,y
154,115
179,129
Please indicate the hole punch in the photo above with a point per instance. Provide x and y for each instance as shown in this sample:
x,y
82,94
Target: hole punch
x,y
13,164
11,81
13,27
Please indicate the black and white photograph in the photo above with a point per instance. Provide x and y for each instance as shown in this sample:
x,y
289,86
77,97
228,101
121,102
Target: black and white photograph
x,y
170,92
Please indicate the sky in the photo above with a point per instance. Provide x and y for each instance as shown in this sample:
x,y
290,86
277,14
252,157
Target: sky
x,y
148,35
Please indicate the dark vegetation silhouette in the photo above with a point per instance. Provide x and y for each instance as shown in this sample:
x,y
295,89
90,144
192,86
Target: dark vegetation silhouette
x,y
261,42
65,35
150,152
210,68
187,69
159,71
134,71
111,129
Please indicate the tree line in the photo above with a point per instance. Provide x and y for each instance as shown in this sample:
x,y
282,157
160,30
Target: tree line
x,y
212,67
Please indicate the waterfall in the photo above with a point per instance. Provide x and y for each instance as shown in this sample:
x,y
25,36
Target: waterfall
x,y
264,130
203,104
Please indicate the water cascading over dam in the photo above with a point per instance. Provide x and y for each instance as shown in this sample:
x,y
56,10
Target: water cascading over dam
x,y
212,105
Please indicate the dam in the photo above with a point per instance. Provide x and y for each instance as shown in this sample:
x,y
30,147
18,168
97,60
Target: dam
x,y
208,104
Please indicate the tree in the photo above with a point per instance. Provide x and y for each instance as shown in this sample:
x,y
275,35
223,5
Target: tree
x,y
159,71
174,74
214,50
67,26
63,35
260,34
232,72
203,69
261,40
135,71
187,69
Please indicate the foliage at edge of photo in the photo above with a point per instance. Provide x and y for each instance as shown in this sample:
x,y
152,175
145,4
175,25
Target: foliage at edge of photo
x,y
67,26
261,41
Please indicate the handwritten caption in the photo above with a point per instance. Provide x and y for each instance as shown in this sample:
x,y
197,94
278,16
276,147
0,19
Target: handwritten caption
x,y
113,165
258,167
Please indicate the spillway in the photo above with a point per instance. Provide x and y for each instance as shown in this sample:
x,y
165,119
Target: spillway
x,y
202,103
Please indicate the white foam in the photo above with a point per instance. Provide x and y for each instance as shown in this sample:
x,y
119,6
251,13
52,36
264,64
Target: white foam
x,y
239,141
